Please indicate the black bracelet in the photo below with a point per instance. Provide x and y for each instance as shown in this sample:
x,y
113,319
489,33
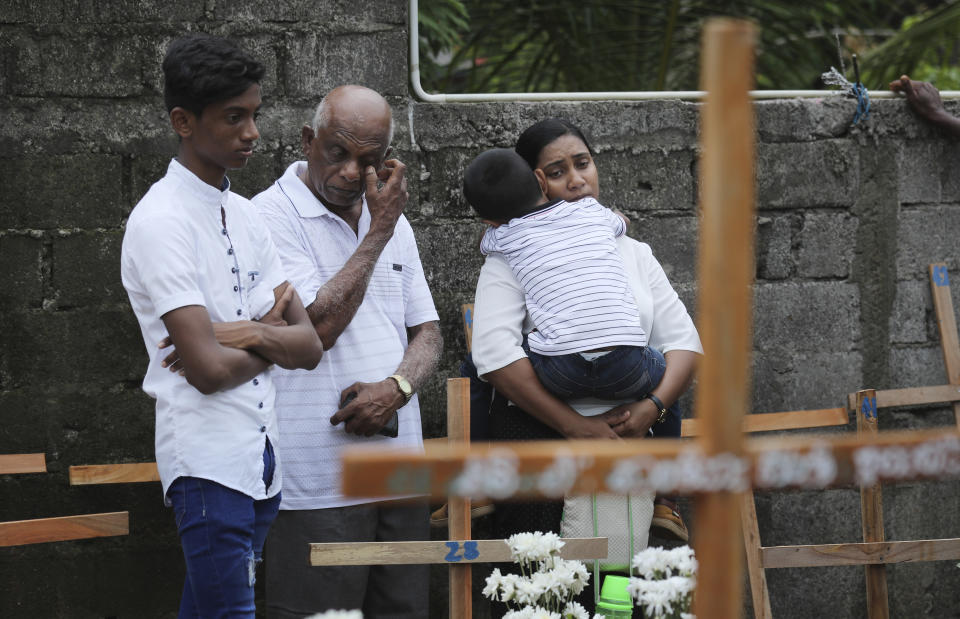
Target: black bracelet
x,y
662,410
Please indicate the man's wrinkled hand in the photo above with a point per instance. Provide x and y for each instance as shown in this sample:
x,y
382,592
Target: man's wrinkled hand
x,y
386,193
370,410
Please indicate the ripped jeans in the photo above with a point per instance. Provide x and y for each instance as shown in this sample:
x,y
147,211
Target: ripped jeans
x,y
221,533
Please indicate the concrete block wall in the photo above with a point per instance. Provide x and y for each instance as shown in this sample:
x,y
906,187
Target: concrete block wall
x,y
848,219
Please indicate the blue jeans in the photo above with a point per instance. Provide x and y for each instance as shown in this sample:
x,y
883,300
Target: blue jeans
x,y
221,532
624,373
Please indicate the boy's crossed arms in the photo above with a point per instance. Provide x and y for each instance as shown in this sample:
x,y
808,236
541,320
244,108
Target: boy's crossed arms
x,y
214,356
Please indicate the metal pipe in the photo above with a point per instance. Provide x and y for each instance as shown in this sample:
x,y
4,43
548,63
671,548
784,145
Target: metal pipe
x,y
691,95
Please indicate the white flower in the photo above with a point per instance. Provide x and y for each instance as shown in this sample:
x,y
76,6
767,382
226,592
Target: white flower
x,y
570,576
679,586
522,546
667,581
682,560
526,548
659,563
531,612
494,581
528,591
338,614
547,584
648,562
508,587
573,610
656,601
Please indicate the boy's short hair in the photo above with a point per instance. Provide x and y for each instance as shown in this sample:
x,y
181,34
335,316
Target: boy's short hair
x,y
499,185
200,69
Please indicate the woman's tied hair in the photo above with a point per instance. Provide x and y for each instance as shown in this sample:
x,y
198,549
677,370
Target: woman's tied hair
x,y
538,135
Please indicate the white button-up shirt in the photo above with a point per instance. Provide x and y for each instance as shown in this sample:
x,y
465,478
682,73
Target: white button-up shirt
x,y
178,252
314,244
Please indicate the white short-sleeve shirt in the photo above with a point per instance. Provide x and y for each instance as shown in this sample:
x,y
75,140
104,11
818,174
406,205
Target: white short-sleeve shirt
x,y
187,243
314,244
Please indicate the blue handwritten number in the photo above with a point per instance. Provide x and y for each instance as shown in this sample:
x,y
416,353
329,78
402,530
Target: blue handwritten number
x,y
869,408
470,551
469,317
452,556
940,277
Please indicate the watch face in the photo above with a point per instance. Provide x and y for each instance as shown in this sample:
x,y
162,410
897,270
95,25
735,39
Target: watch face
x,y
404,386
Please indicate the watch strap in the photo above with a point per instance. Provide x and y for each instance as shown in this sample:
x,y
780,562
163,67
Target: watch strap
x,y
661,409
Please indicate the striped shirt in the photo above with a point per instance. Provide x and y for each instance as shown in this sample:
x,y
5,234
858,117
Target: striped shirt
x,y
314,245
565,258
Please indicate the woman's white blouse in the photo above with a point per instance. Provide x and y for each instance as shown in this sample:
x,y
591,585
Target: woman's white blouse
x,y
500,315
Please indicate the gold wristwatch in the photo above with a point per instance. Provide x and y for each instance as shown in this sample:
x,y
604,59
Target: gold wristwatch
x,y
404,386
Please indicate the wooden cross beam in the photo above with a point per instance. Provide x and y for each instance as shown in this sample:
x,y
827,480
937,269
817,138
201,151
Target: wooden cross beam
x,y
454,552
125,473
22,532
528,469
15,464
64,528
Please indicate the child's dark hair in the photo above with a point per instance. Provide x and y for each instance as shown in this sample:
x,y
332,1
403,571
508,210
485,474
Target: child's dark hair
x,y
200,69
499,185
538,135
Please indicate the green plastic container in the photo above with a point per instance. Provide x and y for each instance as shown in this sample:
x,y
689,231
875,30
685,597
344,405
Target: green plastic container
x,y
615,602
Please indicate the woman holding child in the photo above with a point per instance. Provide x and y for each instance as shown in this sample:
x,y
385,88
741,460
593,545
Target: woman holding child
x,y
561,159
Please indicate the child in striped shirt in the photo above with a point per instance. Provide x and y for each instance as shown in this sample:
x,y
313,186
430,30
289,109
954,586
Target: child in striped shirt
x,y
588,340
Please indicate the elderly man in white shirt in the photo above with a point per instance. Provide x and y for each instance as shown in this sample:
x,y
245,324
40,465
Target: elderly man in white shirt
x,y
350,253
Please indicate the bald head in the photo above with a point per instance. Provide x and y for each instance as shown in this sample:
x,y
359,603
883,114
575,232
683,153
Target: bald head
x,y
351,133
355,105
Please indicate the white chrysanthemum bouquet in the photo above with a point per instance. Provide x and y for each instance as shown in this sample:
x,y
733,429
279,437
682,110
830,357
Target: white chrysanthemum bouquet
x,y
665,582
546,585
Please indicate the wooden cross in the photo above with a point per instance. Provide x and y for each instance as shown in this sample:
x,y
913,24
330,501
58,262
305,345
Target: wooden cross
x,y
949,342
63,528
720,465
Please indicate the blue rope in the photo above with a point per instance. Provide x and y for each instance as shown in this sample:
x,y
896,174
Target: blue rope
x,y
863,102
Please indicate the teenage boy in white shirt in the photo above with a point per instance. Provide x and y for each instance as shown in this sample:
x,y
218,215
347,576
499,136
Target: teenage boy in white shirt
x,y
204,278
